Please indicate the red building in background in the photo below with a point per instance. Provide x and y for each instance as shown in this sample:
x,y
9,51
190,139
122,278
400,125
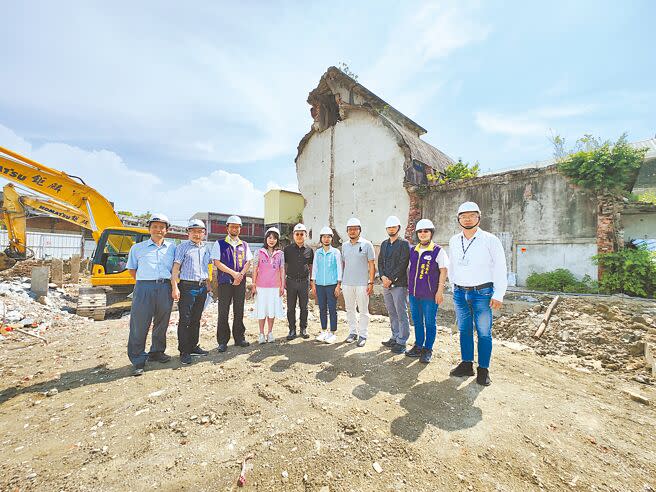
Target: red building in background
x,y
252,229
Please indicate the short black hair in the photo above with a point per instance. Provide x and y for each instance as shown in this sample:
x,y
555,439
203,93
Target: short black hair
x,y
274,234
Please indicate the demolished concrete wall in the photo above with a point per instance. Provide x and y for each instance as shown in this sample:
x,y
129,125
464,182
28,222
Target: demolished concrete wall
x,y
547,222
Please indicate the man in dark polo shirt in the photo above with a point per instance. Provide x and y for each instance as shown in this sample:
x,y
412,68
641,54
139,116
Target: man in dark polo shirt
x,y
298,265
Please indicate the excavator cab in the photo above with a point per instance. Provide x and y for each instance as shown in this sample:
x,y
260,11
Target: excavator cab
x,y
111,282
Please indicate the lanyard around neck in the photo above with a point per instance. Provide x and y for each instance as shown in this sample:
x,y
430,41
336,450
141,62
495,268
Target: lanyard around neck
x,y
462,243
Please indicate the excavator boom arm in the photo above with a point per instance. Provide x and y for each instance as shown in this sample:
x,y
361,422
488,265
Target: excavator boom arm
x,y
60,186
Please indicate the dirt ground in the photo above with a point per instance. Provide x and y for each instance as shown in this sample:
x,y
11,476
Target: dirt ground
x,y
316,417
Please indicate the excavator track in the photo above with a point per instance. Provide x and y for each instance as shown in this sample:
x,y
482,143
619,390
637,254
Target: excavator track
x,y
92,303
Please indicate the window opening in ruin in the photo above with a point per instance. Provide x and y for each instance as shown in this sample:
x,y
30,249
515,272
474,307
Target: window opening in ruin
x,y
324,111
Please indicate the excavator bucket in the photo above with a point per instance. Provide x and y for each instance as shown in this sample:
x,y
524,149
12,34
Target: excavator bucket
x,y
6,262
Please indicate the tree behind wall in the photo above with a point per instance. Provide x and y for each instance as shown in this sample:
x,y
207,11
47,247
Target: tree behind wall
x,y
609,170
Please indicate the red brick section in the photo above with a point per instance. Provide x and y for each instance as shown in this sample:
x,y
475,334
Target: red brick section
x,y
609,239
414,213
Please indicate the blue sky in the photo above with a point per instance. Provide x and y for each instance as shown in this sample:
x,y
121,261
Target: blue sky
x,y
181,107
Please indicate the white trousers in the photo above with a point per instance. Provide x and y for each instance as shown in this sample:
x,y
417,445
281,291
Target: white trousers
x,y
355,295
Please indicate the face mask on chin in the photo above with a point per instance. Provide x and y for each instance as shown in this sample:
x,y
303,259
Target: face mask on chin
x,y
470,227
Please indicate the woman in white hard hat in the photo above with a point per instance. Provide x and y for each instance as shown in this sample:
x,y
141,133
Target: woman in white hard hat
x,y
426,280
326,282
269,283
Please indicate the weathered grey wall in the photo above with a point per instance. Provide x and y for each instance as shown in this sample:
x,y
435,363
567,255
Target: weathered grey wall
x,y
639,225
531,204
551,223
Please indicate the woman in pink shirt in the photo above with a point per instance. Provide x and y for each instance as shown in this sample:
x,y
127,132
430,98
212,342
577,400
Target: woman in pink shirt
x,y
268,282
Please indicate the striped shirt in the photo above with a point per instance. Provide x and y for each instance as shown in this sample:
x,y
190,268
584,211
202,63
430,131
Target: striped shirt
x,y
193,260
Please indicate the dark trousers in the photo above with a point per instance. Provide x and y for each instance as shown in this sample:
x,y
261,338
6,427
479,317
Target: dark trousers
x,y
151,303
327,305
235,294
190,307
297,289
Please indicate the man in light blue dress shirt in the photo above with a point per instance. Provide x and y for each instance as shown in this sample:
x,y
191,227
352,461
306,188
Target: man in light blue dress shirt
x,y
150,263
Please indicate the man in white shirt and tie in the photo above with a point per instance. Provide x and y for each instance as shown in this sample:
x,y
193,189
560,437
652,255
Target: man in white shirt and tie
x,y
478,275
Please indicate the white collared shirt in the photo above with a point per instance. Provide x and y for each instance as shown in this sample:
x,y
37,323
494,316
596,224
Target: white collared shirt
x,y
483,262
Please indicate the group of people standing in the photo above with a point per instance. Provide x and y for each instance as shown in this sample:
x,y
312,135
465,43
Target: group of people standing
x,y
413,275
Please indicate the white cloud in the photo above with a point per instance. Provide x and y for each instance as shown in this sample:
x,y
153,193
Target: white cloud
x,y
509,124
532,123
419,40
291,186
138,191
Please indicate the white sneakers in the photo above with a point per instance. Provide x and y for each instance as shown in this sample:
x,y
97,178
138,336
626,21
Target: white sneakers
x,y
264,339
327,337
331,338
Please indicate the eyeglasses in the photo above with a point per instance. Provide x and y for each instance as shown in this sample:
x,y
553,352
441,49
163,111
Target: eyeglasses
x,y
298,233
420,231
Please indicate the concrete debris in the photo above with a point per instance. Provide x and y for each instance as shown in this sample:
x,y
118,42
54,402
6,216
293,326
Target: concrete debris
x,y
21,310
591,333
635,396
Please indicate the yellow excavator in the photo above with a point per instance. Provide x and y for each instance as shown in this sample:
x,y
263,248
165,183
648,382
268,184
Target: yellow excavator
x,y
16,209
73,200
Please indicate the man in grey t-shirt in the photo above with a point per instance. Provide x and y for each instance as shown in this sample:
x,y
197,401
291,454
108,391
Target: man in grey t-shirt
x,y
357,280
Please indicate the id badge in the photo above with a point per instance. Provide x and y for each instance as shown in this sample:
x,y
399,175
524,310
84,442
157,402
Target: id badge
x,y
463,261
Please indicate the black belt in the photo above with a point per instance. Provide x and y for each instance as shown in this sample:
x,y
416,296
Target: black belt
x,y
193,282
298,279
158,281
476,287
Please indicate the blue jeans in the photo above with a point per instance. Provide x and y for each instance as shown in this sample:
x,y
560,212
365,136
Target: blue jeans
x,y
473,308
423,313
190,308
397,307
327,304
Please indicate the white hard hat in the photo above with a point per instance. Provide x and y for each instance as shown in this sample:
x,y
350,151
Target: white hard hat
x,y
272,229
424,224
196,224
392,221
468,207
233,219
300,227
326,231
353,222
157,217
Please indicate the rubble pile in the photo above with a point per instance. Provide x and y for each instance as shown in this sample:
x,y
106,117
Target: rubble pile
x,y
24,268
594,333
21,309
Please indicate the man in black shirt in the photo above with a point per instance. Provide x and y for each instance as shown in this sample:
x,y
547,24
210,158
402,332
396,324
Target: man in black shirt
x,y
393,271
298,265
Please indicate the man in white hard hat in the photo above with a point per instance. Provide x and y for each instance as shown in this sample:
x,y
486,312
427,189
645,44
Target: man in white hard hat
x,y
357,280
190,278
298,265
478,274
150,263
232,258
393,272
326,284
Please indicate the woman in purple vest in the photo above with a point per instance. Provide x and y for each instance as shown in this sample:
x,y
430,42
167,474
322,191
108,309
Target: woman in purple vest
x,y
426,279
